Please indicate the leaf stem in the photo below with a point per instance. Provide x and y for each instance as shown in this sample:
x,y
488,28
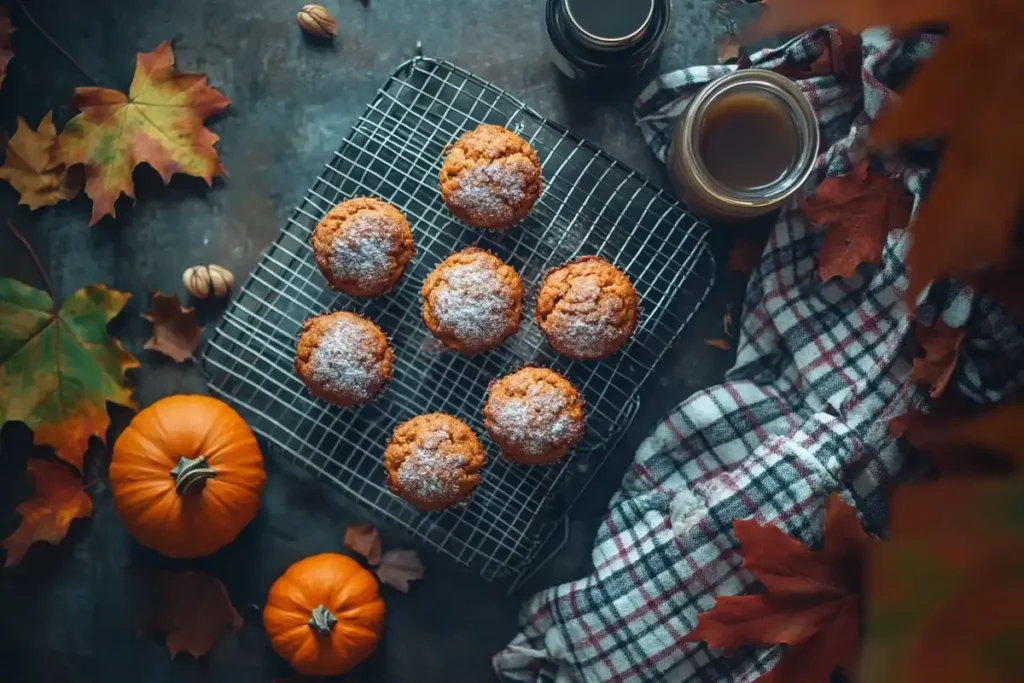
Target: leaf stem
x,y
35,258
50,39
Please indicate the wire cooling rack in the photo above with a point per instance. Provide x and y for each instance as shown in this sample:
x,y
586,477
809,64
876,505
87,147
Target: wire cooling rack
x,y
591,204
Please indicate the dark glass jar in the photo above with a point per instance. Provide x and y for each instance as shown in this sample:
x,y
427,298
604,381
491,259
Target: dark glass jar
x,y
593,40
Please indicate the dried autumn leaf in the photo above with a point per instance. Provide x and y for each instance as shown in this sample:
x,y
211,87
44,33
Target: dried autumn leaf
x,y
997,431
811,600
970,215
399,567
858,211
175,331
33,168
160,122
945,594
729,49
941,345
364,539
6,49
193,611
853,15
59,367
58,498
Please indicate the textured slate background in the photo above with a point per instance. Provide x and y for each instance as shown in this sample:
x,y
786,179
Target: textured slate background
x,y
72,612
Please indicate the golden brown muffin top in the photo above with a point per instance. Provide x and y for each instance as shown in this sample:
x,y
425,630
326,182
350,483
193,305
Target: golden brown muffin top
x,y
472,301
433,460
362,246
489,176
533,413
586,308
343,357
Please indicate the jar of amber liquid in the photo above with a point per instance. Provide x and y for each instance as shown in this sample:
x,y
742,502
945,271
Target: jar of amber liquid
x,y
745,144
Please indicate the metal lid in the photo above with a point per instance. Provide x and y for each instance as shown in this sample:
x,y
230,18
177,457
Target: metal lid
x,y
609,23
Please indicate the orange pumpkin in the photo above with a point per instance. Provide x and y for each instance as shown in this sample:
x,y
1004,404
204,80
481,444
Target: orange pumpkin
x,y
186,476
324,615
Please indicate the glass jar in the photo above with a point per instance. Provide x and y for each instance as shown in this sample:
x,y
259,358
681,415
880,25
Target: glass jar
x,y
592,40
710,197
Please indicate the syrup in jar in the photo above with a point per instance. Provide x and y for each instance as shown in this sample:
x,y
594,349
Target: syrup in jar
x,y
745,144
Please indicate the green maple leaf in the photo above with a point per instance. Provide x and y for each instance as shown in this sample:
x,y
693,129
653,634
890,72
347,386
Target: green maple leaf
x,y
59,367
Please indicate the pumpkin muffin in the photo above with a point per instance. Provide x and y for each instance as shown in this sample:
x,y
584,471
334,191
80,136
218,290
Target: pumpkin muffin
x,y
490,178
362,246
472,301
587,308
433,461
534,415
343,358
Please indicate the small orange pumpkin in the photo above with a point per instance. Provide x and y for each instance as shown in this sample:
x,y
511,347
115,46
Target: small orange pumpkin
x,y
186,476
324,615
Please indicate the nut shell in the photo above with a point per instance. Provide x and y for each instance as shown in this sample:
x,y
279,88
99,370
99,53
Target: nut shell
x,y
205,281
317,21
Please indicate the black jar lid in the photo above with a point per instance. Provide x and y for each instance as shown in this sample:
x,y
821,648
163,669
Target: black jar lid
x,y
609,24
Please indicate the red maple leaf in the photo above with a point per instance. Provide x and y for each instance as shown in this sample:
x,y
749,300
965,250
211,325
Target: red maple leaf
x,y
858,211
811,602
58,499
193,611
941,344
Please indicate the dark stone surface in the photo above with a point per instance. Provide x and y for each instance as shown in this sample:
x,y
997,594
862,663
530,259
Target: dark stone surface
x,y
70,613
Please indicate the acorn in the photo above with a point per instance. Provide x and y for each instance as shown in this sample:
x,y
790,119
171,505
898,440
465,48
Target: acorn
x,y
211,280
317,21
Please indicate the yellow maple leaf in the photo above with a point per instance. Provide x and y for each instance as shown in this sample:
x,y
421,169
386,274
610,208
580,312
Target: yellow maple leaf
x,y
159,122
32,167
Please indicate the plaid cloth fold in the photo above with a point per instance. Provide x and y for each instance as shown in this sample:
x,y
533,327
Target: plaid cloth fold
x,y
820,370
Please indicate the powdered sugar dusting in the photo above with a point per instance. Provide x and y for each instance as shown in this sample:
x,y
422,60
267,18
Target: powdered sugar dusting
x,y
473,304
534,423
429,473
344,364
365,252
490,190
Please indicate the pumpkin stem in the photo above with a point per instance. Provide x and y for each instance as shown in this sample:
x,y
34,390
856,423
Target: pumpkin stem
x,y
322,621
191,473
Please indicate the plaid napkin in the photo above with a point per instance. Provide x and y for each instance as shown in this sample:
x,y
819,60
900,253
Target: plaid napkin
x,y
820,370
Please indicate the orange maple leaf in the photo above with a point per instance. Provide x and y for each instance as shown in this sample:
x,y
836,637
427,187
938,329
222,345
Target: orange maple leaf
x,y
970,216
160,122
997,431
941,345
194,611
853,15
946,591
858,210
58,499
811,601
32,167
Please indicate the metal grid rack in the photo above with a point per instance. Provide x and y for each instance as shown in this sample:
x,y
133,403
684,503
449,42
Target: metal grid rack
x,y
591,204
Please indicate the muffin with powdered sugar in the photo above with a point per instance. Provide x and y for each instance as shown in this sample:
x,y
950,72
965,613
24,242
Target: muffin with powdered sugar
x,y
472,301
433,461
362,246
587,309
535,415
490,178
343,358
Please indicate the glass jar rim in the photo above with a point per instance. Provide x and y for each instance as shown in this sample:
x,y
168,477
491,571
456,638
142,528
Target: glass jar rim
x,y
804,120
608,41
